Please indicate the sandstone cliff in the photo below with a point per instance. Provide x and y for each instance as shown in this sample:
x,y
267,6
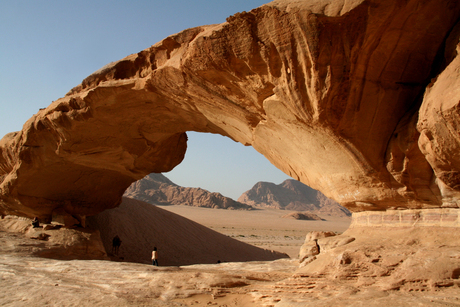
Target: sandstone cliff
x,y
358,99
291,195
158,190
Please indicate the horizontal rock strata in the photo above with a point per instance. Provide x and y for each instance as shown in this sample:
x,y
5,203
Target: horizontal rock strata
x,y
407,218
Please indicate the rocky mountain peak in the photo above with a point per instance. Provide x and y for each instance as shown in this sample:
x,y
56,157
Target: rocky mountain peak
x,y
159,190
291,195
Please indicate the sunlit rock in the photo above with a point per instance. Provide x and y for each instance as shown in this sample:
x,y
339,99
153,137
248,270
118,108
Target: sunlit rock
x,y
328,91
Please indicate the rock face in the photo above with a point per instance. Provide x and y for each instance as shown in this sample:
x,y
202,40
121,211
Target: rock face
x,y
57,241
421,257
291,195
358,99
311,248
159,190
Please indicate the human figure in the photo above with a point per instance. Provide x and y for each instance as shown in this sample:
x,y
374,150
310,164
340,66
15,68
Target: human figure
x,y
155,256
35,222
116,242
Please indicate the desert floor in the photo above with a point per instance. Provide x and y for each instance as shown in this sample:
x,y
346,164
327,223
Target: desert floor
x,y
265,228
28,280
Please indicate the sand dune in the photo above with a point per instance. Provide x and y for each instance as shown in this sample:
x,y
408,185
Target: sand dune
x,y
180,241
265,228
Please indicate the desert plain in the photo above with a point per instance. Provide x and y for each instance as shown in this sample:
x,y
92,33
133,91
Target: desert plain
x,y
265,228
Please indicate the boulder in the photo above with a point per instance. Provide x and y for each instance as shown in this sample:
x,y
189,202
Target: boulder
x,y
311,247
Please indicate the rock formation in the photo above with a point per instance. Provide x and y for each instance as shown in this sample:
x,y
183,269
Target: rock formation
x,y
158,190
413,254
291,195
358,99
311,248
56,240
320,241
305,216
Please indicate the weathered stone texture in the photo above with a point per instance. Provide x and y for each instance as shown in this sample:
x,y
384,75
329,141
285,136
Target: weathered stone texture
x,y
328,91
445,217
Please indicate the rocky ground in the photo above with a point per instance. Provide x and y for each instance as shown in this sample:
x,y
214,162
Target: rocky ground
x,y
34,281
349,275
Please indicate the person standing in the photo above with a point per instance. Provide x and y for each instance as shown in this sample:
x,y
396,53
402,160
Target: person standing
x,y
116,242
155,256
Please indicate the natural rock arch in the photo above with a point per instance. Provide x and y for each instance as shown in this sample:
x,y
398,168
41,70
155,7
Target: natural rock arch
x,y
330,93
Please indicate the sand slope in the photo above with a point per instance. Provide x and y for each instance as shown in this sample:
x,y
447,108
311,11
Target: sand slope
x,y
265,228
180,241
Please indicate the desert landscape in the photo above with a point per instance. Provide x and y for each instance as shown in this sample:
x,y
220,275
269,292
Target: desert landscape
x,y
357,101
265,228
371,271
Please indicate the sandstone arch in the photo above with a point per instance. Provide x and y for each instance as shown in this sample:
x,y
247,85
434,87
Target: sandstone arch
x,y
329,92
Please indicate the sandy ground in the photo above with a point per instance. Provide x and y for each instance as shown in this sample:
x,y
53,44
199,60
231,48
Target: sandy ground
x,y
33,281
264,228
179,240
406,267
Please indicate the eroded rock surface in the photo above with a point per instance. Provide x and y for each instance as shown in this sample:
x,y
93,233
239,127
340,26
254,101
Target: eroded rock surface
x,y
414,254
328,91
51,240
424,266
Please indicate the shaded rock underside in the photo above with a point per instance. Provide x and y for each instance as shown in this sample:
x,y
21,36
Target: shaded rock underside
x,y
358,99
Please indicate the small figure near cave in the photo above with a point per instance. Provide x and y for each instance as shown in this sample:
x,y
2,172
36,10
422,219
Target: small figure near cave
x,y
35,222
116,242
155,256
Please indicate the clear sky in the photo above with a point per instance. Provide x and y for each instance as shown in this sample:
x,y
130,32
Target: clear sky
x,y
48,47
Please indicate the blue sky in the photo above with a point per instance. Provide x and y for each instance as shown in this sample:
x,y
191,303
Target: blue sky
x,y
48,47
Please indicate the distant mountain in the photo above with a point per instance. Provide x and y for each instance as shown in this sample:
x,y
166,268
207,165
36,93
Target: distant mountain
x,y
159,190
291,195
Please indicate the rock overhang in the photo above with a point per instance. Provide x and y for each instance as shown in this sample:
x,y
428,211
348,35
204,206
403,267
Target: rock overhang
x,y
332,95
